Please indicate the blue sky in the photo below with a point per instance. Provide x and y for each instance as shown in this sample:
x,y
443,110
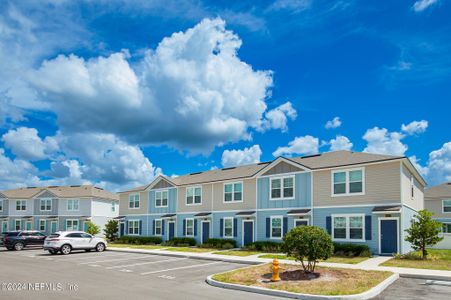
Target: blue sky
x,y
115,92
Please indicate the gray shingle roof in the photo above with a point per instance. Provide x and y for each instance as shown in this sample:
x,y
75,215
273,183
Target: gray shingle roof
x,y
438,192
61,192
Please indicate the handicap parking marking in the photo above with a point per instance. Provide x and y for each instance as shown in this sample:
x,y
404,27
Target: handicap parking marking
x,y
126,271
147,263
184,267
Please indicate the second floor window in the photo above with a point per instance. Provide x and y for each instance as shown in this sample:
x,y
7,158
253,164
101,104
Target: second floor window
x,y
447,206
113,207
282,188
21,205
193,195
347,182
133,201
233,192
161,198
73,205
46,204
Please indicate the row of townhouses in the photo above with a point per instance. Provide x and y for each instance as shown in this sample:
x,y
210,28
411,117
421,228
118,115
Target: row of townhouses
x,y
357,197
438,201
53,208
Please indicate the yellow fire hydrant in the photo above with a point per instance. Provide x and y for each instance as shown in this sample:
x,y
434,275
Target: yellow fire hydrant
x,y
275,270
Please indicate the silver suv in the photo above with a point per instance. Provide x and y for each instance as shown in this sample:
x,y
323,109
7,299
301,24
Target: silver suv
x,y
66,241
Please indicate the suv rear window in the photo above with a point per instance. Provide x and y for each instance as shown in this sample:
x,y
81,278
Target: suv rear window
x,y
11,233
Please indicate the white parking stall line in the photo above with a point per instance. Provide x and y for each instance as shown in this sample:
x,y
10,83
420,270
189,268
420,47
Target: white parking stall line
x,y
82,256
112,260
180,268
146,263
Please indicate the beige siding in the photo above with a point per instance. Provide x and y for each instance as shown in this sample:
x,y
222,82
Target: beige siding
x,y
162,184
206,199
435,206
249,197
417,202
143,204
382,185
281,168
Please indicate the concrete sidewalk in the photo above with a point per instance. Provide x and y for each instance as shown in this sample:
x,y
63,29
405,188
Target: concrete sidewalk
x,y
369,264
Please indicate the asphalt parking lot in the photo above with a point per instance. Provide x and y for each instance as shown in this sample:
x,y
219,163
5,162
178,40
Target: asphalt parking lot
x,y
116,275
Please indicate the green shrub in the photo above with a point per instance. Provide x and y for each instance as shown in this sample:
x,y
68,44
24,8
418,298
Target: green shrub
x,y
351,250
139,240
219,243
265,246
92,229
181,242
111,230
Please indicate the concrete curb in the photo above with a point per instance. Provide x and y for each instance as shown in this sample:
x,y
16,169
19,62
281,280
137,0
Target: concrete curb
x,y
187,255
371,293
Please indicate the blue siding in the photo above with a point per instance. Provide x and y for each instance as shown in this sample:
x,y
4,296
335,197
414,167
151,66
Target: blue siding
x,y
443,220
261,223
172,202
302,193
179,225
407,216
216,219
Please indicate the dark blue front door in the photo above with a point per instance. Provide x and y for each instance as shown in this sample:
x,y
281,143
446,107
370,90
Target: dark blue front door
x,y
205,231
248,232
171,229
122,229
389,236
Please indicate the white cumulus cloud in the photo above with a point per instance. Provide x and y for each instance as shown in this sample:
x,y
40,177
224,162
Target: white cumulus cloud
x,y
303,145
234,157
277,118
439,165
421,5
415,127
380,140
340,143
334,123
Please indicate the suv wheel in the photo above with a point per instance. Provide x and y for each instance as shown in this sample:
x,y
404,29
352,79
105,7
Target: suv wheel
x,y
100,247
66,249
18,246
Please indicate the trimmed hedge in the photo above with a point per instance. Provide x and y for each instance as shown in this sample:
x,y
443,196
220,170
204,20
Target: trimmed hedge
x,y
219,243
347,249
139,240
265,246
181,241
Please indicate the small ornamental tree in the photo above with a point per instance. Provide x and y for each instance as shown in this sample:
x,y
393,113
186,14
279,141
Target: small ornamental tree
x,y
92,229
308,244
423,232
111,230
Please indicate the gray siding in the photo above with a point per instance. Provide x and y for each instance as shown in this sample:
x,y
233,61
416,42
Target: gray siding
x,y
162,184
4,212
281,168
84,208
143,205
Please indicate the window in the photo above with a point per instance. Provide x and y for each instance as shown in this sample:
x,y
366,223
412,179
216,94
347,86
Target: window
x,y
276,227
412,188
71,225
73,204
348,182
18,224
189,227
300,222
158,227
446,206
46,204
1,205
113,207
133,227
193,195
21,205
233,192
74,235
446,227
161,199
228,227
282,188
42,224
348,227
133,201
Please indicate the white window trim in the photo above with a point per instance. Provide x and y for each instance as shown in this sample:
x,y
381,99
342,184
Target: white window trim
x,y
15,224
45,224
161,192
128,227
45,204
186,195
134,201
233,192
298,219
1,204
21,201
73,202
113,207
281,188
224,227
443,206
161,227
72,220
281,227
186,227
347,183
348,239
412,188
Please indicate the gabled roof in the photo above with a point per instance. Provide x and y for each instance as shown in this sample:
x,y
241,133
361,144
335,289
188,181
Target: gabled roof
x,y
72,191
442,191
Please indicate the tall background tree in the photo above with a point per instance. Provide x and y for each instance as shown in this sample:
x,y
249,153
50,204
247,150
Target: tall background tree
x,y
111,230
423,232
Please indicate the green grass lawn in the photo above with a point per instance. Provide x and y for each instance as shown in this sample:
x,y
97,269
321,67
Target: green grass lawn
x,y
331,281
333,259
146,247
190,249
236,252
437,260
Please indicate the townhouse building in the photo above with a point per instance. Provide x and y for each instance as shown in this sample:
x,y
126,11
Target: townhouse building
x,y
437,199
54,208
357,197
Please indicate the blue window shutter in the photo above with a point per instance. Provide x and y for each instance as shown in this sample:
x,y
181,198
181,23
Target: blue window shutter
x,y
184,226
153,226
368,231
285,225
162,227
235,227
268,227
221,227
195,227
329,225
140,227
